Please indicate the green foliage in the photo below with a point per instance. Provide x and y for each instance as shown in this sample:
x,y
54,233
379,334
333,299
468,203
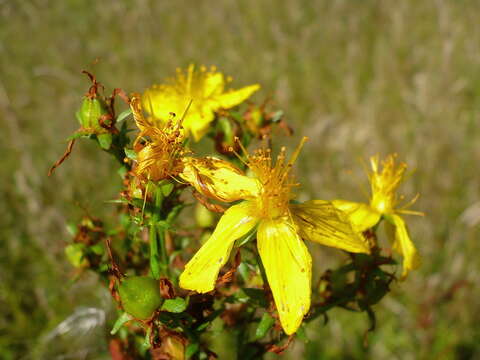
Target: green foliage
x,y
359,77
177,305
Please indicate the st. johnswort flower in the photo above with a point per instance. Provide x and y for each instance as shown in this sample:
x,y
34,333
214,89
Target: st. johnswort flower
x,y
280,226
384,202
204,88
160,149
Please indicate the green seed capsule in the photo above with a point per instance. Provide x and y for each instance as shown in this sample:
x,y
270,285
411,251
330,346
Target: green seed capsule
x,y
90,112
140,296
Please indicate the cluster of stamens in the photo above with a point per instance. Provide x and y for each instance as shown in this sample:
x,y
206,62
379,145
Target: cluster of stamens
x,y
385,183
159,150
275,178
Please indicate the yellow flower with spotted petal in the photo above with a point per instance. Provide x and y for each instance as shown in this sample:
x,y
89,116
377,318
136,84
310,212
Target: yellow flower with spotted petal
x,y
219,179
280,225
205,88
384,202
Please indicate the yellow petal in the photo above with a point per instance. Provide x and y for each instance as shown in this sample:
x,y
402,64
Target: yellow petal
x,y
201,272
404,246
361,215
198,122
233,98
136,106
214,84
320,221
218,179
288,267
161,101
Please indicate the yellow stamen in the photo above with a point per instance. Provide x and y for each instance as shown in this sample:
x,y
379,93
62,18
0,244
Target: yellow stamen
x,y
276,182
159,150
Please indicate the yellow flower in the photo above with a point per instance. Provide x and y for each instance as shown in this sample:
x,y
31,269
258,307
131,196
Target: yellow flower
x,y
280,227
160,151
384,202
206,90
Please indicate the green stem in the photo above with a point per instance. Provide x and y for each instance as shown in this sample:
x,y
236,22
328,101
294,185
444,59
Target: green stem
x,y
163,249
156,238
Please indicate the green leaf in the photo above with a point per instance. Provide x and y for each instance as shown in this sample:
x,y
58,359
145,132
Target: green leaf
x,y
236,115
250,235
122,171
176,305
243,271
120,322
191,350
277,116
166,188
117,201
123,115
203,326
78,135
105,141
103,268
76,254
72,229
146,341
97,249
257,296
172,215
163,225
301,334
130,153
264,325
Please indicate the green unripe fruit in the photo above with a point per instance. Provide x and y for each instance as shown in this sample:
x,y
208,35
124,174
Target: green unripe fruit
x,y
140,296
90,113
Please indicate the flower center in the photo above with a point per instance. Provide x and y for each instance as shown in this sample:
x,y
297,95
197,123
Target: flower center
x,y
384,183
159,150
275,179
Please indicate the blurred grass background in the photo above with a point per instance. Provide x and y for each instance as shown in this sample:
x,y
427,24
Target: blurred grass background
x,y
357,76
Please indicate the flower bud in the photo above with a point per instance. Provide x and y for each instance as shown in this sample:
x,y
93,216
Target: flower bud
x,y
91,110
76,255
140,296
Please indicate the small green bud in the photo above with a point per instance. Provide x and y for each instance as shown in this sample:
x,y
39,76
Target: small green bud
x,y
227,130
204,217
76,254
89,114
140,296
